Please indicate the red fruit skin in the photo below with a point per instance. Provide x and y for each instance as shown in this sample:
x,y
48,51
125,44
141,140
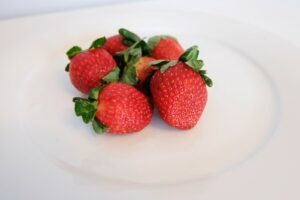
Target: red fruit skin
x,y
123,109
180,95
142,67
167,49
143,70
89,67
114,44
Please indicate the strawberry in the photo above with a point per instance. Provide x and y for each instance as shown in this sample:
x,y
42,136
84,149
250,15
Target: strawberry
x,y
115,44
179,90
165,47
87,68
116,108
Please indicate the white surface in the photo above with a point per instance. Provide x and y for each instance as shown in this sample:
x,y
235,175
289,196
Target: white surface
x,y
15,8
278,16
270,174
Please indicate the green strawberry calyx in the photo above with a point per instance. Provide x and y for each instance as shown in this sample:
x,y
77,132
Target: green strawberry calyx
x,y
163,65
153,41
73,51
190,58
112,76
127,60
129,37
87,109
98,43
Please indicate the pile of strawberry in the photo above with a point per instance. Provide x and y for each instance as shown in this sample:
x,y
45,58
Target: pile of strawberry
x,y
124,76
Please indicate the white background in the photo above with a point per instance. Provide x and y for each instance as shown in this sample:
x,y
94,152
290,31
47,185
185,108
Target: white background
x,y
278,16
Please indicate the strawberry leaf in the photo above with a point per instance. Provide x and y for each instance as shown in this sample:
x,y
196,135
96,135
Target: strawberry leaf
x,y
112,76
190,54
143,46
137,49
85,108
163,65
127,42
153,41
207,80
190,58
166,66
127,59
94,93
195,64
67,67
129,75
203,72
158,63
73,51
98,43
129,37
132,55
98,127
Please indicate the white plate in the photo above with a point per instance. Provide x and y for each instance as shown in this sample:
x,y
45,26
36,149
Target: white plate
x,y
245,106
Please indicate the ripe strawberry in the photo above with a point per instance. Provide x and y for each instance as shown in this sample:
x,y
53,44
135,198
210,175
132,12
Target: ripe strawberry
x,y
87,68
165,47
115,44
116,108
179,91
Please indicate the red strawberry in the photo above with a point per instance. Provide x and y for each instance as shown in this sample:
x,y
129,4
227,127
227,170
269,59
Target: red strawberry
x,y
117,108
179,91
115,44
87,68
165,47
